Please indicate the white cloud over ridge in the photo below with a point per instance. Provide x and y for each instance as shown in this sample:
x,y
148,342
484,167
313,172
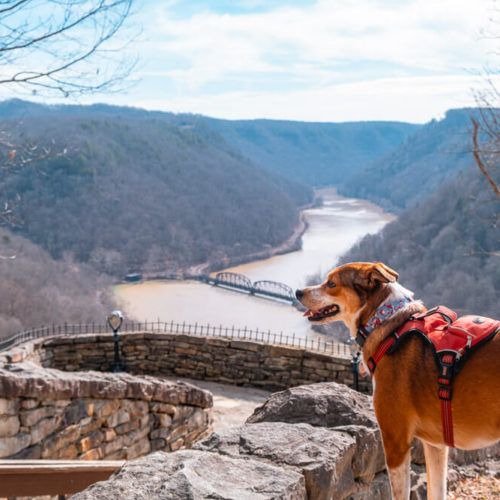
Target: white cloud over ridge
x,y
323,60
369,58
399,99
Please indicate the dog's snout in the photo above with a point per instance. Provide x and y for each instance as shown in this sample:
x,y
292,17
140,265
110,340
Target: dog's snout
x,y
299,294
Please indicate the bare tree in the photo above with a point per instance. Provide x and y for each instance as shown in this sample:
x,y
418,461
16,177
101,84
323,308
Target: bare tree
x,y
486,157
57,48
62,47
486,128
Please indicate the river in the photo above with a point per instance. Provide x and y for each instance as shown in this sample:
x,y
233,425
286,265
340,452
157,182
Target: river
x,y
332,229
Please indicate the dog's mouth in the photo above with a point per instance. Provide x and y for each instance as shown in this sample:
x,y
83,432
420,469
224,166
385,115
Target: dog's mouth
x,y
324,312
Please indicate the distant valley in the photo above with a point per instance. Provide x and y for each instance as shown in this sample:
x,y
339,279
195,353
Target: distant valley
x,y
147,191
124,189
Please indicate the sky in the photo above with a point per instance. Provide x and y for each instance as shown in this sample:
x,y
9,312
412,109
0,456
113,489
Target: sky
x,y
313,60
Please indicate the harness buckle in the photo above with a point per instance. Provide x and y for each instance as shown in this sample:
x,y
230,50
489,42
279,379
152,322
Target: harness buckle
x,y
447,362
361,336
444,392
448,359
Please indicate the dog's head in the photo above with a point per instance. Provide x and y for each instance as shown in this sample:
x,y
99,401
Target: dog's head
x,y
348,292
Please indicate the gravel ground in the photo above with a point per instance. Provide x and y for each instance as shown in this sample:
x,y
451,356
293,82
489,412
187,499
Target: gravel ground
x,y
481,487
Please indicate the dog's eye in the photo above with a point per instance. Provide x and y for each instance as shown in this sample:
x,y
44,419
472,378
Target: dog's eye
x,y
330,284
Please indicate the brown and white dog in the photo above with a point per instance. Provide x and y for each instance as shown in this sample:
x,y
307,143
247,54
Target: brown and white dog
x,y
405,391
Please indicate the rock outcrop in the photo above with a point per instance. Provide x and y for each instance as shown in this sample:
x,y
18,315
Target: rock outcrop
x,y
196,475
324,405
318,442
328,459
330,449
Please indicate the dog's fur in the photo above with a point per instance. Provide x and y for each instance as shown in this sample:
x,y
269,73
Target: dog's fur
x,y
405,382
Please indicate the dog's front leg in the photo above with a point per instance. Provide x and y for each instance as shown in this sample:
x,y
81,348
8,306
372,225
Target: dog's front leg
x,y
396,440
436,464
399,476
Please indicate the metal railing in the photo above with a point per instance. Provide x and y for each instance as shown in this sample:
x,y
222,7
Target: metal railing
x,y
196,330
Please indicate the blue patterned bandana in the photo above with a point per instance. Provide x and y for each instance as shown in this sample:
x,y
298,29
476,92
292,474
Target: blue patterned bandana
x,y
385,312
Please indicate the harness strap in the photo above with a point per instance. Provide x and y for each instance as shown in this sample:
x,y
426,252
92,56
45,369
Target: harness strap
x,y
445,378
382,349
447,362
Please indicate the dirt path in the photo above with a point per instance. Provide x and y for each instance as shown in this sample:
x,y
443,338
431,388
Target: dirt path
x,y
232,404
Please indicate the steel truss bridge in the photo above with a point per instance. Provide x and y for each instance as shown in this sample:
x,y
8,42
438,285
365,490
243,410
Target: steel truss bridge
x,y
264,288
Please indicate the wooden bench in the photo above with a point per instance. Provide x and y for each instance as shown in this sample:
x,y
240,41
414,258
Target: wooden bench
x,y
52,477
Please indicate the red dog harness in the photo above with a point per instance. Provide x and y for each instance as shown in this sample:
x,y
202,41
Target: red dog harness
x,y
452,340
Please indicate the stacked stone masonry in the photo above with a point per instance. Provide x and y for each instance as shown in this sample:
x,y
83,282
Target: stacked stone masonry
x,y
49,414
317,442
59,401
239,362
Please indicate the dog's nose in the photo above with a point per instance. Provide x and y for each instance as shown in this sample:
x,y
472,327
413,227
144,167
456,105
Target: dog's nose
x,y
299,294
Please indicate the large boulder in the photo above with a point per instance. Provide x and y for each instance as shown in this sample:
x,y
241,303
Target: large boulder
x,y
322,456
333,463
343,411
198,475
326,404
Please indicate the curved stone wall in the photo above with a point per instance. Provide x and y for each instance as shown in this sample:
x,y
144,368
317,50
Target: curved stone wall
x,y
58,399
218,359
47,413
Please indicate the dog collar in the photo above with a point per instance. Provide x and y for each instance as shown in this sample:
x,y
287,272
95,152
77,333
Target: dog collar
x,y
383,313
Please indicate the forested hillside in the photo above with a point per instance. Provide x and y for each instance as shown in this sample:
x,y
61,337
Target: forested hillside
x,y
126,189
317,154
144,194
445,248
36,290
432,154
314,154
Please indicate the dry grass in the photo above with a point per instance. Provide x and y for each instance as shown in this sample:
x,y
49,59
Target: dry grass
x,y
480,487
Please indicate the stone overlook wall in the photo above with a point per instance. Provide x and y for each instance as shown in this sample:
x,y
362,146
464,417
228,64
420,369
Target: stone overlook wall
x,y
218,359
46,413
56,402
318,442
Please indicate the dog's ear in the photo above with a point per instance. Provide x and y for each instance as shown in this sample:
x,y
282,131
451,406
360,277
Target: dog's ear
x,y
373,274
382,273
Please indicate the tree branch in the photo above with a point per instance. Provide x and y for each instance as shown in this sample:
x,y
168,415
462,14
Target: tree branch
x,y
478,159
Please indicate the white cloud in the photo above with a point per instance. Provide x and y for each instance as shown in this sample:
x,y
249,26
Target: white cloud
x,y
415,99
329,60
424,35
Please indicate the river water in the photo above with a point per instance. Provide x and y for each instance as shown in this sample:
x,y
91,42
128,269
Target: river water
x,y
333,229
